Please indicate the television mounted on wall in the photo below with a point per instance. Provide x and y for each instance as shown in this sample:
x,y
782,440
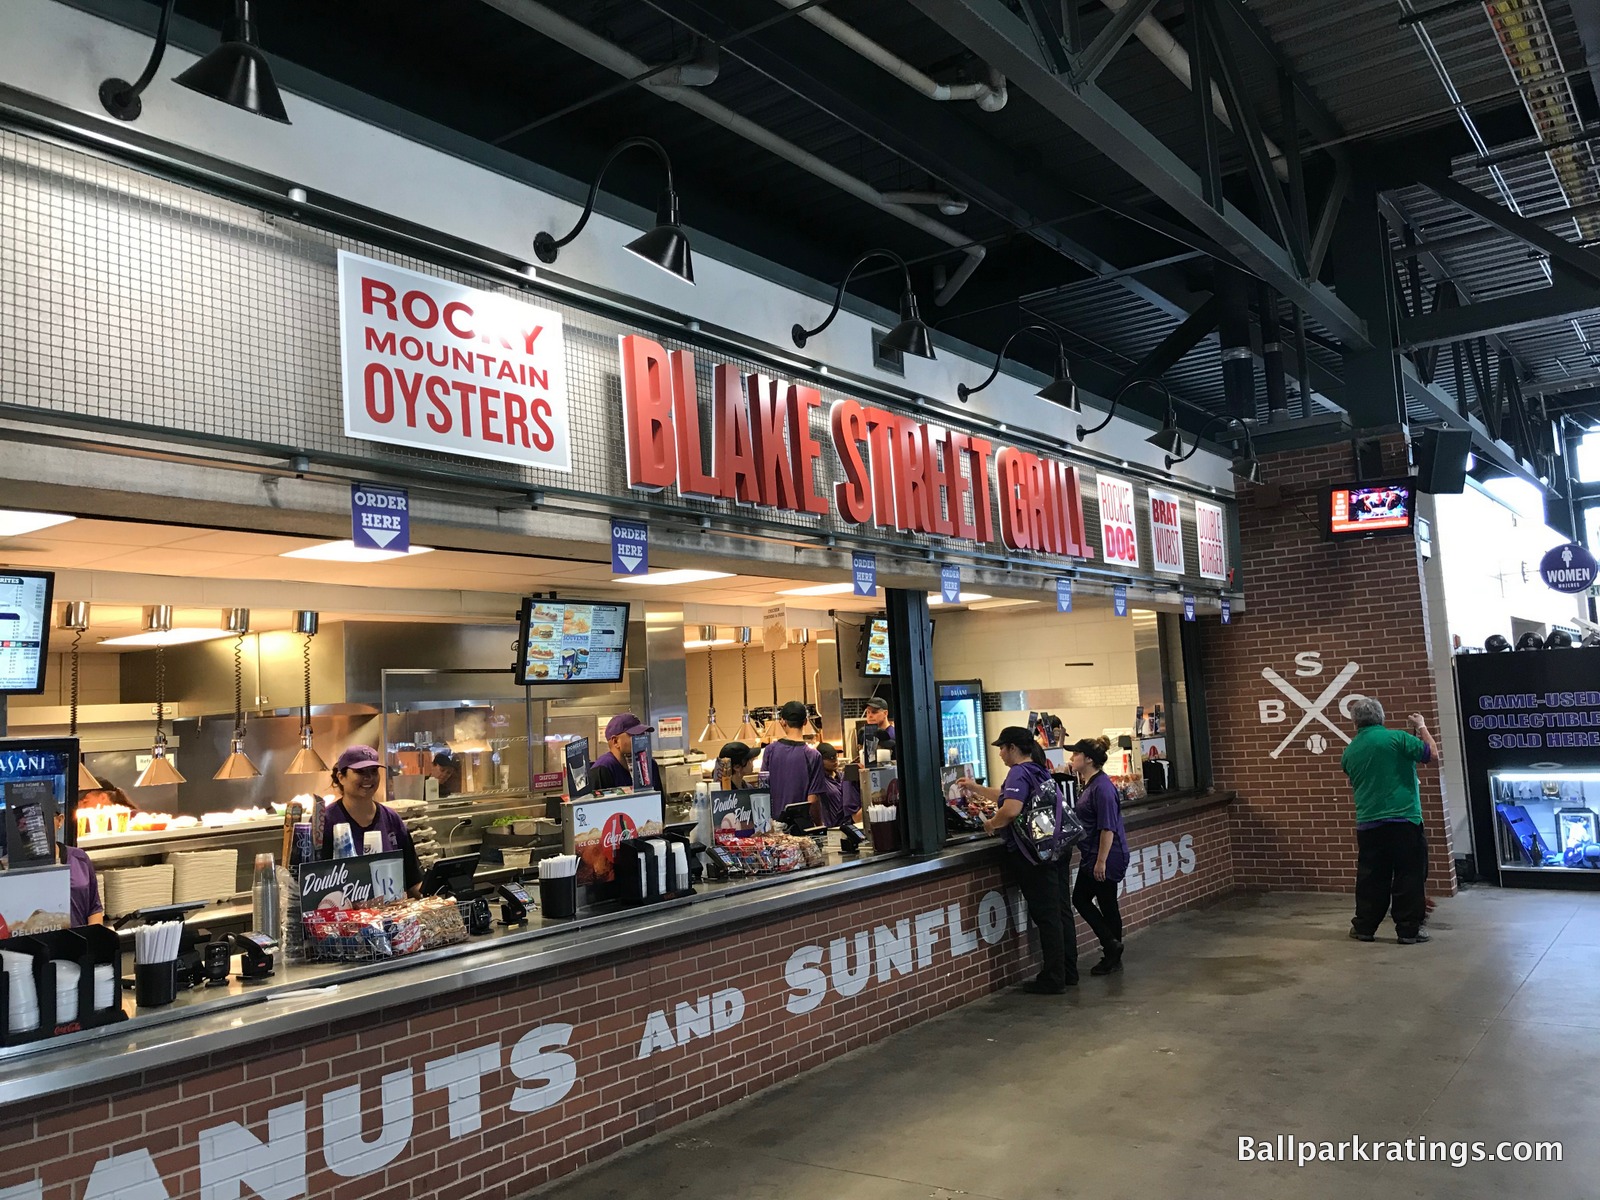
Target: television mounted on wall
x,y
1372,508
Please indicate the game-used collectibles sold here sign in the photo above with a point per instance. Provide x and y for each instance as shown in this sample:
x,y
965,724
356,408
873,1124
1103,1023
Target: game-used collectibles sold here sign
x,y
438,366
894,471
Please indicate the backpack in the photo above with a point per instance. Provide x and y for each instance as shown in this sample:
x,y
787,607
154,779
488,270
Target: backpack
x,y
1046,828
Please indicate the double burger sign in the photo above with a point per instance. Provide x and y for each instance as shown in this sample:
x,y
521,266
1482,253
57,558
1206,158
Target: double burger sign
x,y
437,365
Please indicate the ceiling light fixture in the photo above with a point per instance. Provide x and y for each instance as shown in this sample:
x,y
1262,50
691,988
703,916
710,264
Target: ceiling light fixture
x,y
1116,399
1248,470
1060,390
665,246
15,522
1169,438
306,760
712,732
236,72
165,637
746,732
237,765
820,589
658,578
937,598
75,616
347,551
909,337
160,771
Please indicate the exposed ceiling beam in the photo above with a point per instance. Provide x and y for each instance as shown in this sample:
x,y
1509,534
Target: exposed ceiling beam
x,y
1579,262
1444,410
1004,40
1564,298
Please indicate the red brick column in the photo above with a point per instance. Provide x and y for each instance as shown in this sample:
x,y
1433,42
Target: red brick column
x,y
1314,608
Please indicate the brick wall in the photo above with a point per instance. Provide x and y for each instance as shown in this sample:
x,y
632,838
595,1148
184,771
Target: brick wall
x,y
1351,602
494,1090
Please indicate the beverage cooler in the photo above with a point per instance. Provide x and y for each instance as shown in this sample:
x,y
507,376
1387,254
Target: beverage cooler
x,y
1531,732
961,726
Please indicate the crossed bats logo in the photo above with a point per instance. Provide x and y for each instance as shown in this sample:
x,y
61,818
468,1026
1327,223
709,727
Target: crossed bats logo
x,y
1309,665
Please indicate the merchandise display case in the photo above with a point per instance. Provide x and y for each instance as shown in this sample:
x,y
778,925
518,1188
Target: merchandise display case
x,y
1547,820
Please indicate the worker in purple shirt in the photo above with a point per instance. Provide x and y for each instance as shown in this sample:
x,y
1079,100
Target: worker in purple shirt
x,y
84,884
793,769
614,768
356,777
841,799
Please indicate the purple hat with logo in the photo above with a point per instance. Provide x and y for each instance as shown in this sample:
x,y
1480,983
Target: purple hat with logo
x,y
357,758
626,723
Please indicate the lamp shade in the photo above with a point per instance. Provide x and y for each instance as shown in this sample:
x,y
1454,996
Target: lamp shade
x,y
237,765
666,246
911,335
238,74
1062,391
306,760
160,771
86,780
1168,438
1250,472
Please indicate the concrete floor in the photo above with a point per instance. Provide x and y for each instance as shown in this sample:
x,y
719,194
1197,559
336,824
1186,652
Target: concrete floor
x,y
1256,1017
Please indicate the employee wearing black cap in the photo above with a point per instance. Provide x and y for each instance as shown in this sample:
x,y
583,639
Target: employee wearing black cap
x,y
738,756
1045,885
794,769
877,726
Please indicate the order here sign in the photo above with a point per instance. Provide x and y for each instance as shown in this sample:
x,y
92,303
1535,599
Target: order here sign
x,y
439,366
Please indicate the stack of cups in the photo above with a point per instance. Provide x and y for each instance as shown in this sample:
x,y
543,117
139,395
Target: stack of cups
x,y
344,842
884,826
105,986
558,886
23,990
680,867
67,974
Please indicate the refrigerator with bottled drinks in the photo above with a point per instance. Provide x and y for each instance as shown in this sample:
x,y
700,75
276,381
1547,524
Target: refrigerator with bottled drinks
x,y
961,725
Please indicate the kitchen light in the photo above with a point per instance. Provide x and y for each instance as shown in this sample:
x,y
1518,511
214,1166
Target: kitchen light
x,y
158,618
746,732
820,589
236,72
15,522
306,760
702,644
1060,390
712,732
909,337
937,598
348,552
1117,399
686,575
75,616
666,246
166,637
237,765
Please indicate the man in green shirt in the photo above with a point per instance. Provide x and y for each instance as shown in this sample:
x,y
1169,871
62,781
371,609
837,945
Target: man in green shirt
x,y
1392,854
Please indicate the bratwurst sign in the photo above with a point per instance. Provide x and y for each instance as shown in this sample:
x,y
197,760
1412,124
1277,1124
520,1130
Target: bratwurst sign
x,y
438,366
892,471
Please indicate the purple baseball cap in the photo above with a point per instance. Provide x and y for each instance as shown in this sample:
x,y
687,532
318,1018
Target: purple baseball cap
x,y
357,758
626,723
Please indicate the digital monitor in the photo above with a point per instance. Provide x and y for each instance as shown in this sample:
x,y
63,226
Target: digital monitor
x,y
572,641
24,629
1364,509
875,647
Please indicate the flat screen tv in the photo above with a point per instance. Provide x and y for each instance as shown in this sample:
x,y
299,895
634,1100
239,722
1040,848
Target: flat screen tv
x,y
572,641
875,647
24,629
1359,510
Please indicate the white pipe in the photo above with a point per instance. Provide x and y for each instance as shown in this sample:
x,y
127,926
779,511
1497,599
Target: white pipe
x,y
611,56
1164,46
991,96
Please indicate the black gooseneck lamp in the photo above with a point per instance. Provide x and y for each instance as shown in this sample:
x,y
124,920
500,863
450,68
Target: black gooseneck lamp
x,y
1117,399
1249,471
665,246
1060,390
909,337
236,72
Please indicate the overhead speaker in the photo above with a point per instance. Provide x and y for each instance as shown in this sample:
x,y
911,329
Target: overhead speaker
x,y
1442,460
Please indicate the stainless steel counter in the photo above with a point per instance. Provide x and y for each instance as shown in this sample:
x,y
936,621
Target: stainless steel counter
x,y
204,1021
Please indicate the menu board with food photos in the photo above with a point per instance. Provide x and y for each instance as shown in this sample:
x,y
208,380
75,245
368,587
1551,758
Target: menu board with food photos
x,y
572,641
876,656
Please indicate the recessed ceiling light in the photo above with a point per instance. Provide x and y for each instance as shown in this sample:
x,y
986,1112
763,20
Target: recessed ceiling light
x,y
656,578
348,552
1003,602
167,637
820,589
936,598
699,645
14,522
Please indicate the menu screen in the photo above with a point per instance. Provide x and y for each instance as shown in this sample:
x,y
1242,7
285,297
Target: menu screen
x,y
1370,508
876,655
572,641
24,629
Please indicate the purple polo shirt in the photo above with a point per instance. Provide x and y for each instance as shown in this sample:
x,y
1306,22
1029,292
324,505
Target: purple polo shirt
x,y
841,800
396,837
1098,808
84,883
607,771
794,772
1021,782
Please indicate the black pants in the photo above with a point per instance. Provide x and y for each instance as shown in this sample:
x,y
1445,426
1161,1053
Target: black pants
x,y
1391,869
1046,889
1096,902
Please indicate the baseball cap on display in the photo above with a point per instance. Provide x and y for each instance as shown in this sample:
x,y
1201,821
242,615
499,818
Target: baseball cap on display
x,y
626,723
357,758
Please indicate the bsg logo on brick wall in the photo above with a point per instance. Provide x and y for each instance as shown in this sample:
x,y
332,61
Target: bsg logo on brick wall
x,y
1308,665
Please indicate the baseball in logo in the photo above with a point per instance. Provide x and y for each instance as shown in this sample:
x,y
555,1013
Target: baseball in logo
x,y
1308,665
619,827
